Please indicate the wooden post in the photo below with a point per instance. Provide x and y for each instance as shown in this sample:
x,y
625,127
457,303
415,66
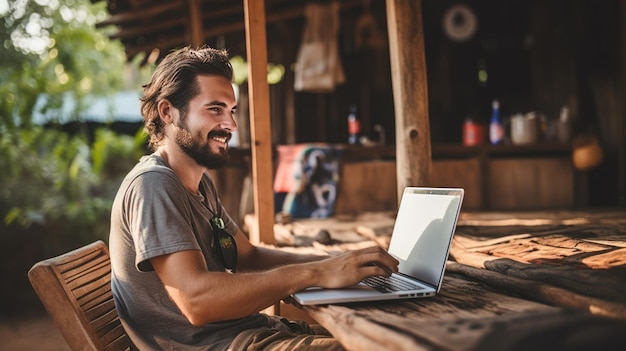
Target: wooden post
x,y
621,122
260,132
195,30
410,92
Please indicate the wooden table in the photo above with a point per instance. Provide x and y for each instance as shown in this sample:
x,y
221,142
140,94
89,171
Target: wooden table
x,y
553,280
465,316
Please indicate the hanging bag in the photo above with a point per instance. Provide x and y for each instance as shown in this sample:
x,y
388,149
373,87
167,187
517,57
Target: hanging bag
x,y
318,63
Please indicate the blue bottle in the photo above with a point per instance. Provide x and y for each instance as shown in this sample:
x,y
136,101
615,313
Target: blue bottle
x,y
496,129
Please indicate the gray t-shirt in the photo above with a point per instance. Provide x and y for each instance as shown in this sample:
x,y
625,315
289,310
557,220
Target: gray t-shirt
x,y
152,215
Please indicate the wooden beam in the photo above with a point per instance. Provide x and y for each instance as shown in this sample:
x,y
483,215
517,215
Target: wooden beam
x,y
164,26
141,13
260,132
621,122
195,23
410,96
163,44
146,21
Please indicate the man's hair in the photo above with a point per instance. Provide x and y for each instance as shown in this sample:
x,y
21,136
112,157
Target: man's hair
x,y
175,80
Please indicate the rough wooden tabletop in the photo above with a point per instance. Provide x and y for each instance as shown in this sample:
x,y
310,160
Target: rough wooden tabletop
x,y
513,278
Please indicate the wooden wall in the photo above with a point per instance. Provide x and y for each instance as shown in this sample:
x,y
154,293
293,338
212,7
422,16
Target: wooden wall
x,y
540,55
499,179
537,183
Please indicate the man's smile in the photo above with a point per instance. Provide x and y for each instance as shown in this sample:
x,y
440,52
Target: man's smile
x,y
220,139
220,136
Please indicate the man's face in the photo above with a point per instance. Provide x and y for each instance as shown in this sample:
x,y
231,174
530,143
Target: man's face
x,y
204,130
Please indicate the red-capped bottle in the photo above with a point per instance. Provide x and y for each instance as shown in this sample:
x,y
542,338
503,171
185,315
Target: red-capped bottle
x,y
354,126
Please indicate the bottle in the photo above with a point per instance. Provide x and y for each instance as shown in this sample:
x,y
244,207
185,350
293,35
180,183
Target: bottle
x,y
472,133
354,126
564,126
496,130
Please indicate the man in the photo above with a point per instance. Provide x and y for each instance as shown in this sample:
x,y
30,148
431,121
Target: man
x,y
180,279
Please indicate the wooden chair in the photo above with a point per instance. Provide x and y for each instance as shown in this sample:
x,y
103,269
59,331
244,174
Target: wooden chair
x,y
75,288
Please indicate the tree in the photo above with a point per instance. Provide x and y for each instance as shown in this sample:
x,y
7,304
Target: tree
x,y
57,188
51,50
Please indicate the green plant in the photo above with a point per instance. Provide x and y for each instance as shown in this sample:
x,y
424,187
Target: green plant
x,y
53,52
56,194
50,175
112,156
56,189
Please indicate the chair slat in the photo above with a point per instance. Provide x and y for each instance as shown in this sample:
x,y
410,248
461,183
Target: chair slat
x,y
100,304
100,322
78,261
121,342
87,275
91,283
115,331
95,298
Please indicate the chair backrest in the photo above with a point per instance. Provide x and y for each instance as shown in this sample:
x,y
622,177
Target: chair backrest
x,y
75,289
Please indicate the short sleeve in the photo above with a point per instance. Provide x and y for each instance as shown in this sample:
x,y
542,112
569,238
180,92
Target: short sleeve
x,y
159,217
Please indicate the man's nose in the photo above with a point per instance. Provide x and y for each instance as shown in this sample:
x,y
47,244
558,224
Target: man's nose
x,y
229,124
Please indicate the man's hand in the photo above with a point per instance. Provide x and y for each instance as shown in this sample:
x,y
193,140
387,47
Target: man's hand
x,y
353,266
201,294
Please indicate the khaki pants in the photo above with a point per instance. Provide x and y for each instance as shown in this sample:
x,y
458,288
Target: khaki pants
x,y
286,335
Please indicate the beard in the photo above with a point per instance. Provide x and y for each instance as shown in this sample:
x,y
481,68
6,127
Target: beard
x,y
199,150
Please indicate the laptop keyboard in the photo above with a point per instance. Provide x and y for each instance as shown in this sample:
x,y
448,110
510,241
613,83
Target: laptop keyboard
x,y
389,284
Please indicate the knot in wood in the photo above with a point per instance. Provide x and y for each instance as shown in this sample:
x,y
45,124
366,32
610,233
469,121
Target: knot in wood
x,y
413,134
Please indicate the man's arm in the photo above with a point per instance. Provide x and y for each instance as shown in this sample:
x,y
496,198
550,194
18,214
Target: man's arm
x,y
205,296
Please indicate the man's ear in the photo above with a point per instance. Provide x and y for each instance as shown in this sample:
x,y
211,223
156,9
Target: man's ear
x,y
166,111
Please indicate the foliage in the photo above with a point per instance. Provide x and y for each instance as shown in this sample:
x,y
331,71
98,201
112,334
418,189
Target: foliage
x,y
57,189
275,72
56,194
52,50
52,53
51,176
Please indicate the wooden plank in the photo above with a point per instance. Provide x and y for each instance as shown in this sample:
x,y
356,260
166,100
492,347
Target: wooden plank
x,y
139,15
461,173
464,316
584,262
530,184
107,321
399,325
621,122
366,186
260,132
195,23
408,76
130,32
543,292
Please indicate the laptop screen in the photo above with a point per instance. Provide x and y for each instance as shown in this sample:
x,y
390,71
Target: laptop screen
x,y
423,230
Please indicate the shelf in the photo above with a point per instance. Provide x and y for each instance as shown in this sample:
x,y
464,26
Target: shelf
x,y
358,153
540,149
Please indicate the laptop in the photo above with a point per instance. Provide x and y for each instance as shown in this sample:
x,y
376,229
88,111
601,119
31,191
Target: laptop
x,y
421,239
